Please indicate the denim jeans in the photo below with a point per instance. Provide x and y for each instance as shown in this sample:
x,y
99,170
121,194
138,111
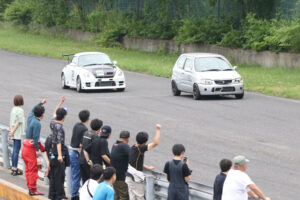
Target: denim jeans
x,y
15,154
75,173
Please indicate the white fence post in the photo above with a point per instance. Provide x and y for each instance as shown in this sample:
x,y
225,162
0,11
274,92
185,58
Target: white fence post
x,y
150,191
4,134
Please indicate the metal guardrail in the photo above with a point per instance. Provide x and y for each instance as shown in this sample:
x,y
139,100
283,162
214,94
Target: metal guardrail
x,y
156,183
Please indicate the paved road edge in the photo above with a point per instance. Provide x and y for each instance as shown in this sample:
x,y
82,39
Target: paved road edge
x,y
11,191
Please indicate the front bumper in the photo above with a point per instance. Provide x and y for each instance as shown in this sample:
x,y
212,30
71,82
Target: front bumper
x,y
216,89
104,84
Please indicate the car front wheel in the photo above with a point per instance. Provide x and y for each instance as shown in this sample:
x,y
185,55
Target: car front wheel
x,y
78,85
175,90
196,92
239,96
63,82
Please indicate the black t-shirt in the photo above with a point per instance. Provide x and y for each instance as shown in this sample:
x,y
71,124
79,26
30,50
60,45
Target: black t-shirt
x,y
119,159
88,137
78,130
97,149
58,132
218,186
136,156
48,145
185,169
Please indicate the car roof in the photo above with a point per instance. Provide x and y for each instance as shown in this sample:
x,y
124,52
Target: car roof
x,y
202,55
88,53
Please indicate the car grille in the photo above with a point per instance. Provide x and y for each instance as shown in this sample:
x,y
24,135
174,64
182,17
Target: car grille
x,y
223,89
223,82
108,73
228,89
105,84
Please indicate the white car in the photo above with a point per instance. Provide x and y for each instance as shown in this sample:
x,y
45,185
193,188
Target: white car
x,y
92,71
206,74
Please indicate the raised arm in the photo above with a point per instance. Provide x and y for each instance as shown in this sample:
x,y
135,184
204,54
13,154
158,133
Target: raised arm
x,y
156,139
63,98
31,114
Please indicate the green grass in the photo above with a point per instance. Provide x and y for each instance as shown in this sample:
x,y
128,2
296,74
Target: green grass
x,y
272,81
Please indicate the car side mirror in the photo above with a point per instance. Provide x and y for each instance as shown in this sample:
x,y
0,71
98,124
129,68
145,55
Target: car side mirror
x,y
235,68
115,62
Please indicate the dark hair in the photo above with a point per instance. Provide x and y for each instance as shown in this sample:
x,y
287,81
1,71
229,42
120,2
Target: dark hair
x,y
178,149
96,172
18,100
96,124
225,165
84,115
38,110
108,173
60,113
125,134
142,137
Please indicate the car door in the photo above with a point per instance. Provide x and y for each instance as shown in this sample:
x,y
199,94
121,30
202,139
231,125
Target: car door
x,y
70,72
187,80
178,71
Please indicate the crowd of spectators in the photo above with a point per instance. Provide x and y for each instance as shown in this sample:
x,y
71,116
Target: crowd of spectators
x,y
100,174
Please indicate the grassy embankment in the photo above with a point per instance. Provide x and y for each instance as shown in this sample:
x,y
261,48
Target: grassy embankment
x,y
272,81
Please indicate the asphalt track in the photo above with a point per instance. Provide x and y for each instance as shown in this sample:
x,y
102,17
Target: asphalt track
x,y
265,129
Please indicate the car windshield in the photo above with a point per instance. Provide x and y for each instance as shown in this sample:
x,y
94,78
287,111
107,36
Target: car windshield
x,y
93,59
211,64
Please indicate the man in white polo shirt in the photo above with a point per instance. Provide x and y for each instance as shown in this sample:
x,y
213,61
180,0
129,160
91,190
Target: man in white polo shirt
x,y
238,185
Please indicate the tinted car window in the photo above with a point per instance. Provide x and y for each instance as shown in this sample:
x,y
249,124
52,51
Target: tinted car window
x,y
213,63
181,62
188,65
94,59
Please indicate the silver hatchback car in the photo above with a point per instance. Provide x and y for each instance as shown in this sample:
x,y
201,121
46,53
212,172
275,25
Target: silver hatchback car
x,y
206,74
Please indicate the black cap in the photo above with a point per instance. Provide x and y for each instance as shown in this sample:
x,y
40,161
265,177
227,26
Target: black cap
x,y
125,134
105,131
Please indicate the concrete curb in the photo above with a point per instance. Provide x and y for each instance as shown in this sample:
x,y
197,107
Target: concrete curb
x,y
11,191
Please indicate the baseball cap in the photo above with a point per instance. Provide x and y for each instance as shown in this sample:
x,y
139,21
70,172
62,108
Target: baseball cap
x,y
105,131
240,160
125,134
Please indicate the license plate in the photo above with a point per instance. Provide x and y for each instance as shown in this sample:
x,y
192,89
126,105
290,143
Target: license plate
x,y
99,73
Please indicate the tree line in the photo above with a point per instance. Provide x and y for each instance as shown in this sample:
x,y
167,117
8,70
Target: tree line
x,y
249,24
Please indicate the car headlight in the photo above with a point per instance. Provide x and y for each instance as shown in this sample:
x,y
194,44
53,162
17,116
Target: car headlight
x,y
206,82
238,80
120,73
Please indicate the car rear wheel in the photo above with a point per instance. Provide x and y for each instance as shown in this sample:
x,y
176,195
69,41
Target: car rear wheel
x,y
63,82
175,90
239,96
78,85
121,89
196,92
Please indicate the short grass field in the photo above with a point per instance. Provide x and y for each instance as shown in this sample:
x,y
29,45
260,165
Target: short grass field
x,y
273,81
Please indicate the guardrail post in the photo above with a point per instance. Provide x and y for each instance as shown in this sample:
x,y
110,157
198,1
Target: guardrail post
x,y
68,174
150,191
44,164
4,134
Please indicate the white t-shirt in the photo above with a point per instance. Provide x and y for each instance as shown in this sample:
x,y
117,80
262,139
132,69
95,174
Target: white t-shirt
x,y
83,192
236,185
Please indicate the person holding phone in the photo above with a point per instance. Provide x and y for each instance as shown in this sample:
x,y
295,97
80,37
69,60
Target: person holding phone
x,y
178,174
